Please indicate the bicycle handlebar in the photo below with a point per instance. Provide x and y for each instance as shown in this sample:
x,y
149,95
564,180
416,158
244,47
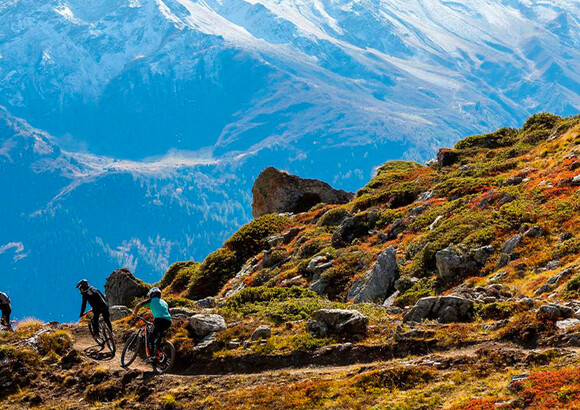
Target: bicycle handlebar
x,y
139,317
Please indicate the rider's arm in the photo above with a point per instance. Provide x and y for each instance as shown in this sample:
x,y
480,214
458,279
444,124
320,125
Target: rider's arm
x,y
84,305
139,305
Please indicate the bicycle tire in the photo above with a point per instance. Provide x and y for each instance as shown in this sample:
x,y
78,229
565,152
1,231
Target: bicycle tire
x,y
131,350
108,336
96,337
168,350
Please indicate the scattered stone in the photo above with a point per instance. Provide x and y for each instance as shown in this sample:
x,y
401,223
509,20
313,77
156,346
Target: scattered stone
x,y
319,264
515,379
206,303
237,283
207,344
425,196
567,323
379,283
291,281
234,344
319,284
554,312
262,332
390,301
119,312
553,282
418,210
514,180
565,236
338,321
445,309
435,222
507,250
489,294
396,228
204,324
277,191
122,287
498,277
534,232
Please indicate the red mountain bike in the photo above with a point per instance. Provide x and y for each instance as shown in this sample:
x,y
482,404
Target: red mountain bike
x,y
163,358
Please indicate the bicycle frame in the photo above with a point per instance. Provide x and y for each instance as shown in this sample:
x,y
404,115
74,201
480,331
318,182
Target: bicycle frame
x,y
145,331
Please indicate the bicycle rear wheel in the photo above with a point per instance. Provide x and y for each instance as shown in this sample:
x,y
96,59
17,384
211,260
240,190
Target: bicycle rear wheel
x,y
166,357
131,350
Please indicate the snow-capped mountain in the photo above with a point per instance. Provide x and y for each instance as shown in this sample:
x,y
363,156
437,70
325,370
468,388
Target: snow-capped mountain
x,y
157,114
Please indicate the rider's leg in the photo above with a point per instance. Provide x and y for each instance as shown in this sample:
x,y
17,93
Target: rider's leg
x,y
6,316
160,326
95,320
107,318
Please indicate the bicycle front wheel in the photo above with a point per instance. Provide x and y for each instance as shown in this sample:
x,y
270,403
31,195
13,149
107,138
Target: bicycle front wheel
x,y
108,337
131,350
95,333
165,358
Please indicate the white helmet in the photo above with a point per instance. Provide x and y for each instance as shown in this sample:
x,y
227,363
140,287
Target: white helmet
x,y
154,293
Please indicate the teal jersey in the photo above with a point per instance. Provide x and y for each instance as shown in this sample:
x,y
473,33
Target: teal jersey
x,y
159,308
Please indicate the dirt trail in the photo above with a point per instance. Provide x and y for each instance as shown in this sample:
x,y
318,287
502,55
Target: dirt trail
x,y
337,360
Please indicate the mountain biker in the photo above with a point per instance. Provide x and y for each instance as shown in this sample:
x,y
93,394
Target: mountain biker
x,y
97,301
6,310
161,319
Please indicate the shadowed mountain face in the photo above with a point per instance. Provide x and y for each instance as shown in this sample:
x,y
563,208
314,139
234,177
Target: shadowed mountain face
x,y
177,105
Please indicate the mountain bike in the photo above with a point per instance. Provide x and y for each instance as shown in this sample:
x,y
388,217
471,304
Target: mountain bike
x,y
4,326
138,342
104,336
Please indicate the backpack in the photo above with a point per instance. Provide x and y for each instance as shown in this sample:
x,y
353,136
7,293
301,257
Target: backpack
x,y
4,299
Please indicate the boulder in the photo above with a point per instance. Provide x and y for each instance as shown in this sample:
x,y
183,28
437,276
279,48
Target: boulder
x,y
379,283
277,191
507,250
445,309
203,325
553,312
488,294
334,217
455,263
338,321
206,303
181,312
119,312
262,332
122,288
553,282
319,284
534,232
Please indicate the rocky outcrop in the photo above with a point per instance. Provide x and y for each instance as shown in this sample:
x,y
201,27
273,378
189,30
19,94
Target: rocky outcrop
x,y
553,312
508,249
203,325
553,282
455,263
119,312
354,227
262,332
122,288
181,312
445,309
379,283
277,191
488,294
337,321
447,157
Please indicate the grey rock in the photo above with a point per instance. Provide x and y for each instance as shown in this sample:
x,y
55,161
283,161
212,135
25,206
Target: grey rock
x,y
445,309
567,323
208,344
391,299
534,232
319,264
435,222
418,210
553,282
122,288
119,312
447,157
379,283
553,312
454,263
181,312
204,324
396,228
206,303
340,321
354,227
262,332
425,196
507,250
319,285
277,191
234,344
498,277
515,379
291,281
316,328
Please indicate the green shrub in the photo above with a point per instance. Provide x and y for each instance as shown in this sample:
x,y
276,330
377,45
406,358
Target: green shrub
x,y
58,342
423,288
213,273
250,239
173,271
333,217
500,138
305,342
541,121
179,302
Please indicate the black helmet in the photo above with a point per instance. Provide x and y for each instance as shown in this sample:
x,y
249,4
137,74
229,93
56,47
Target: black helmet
x,y
154,293
83,284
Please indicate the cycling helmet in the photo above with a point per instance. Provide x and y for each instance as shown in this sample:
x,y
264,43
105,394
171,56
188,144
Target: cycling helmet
x,y
83,284
154,293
